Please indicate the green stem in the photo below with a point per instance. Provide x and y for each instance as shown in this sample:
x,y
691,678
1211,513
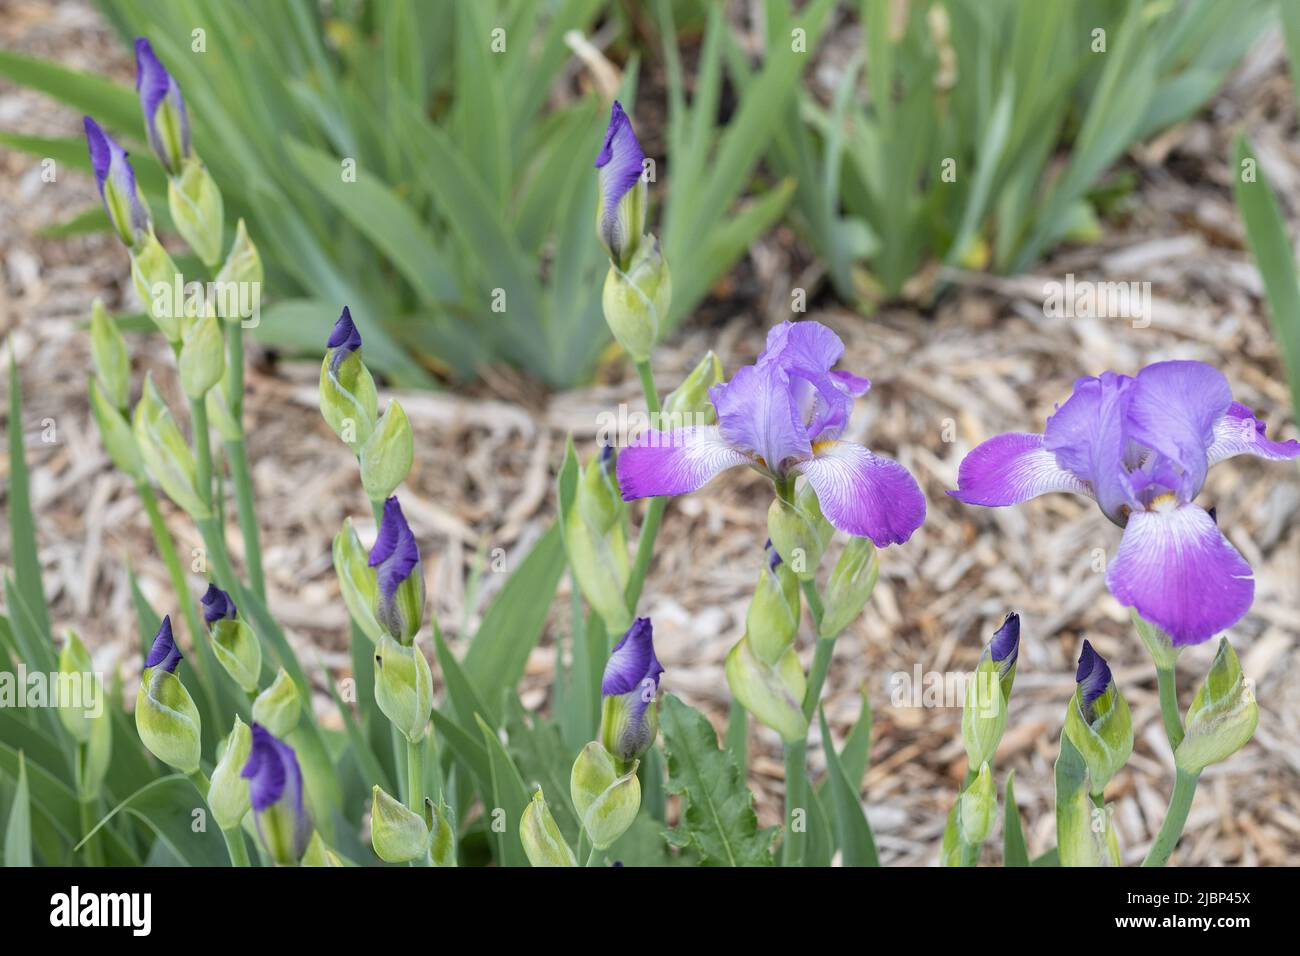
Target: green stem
x,y
203,785
1169,705
377,508
1175,818
595,857
234,385
415,777
821,653
645,545
237,453
202,450
94,854
167,548
796,784
235,847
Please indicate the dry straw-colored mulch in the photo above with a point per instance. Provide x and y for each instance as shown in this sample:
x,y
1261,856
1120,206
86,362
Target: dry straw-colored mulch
x,y
984,360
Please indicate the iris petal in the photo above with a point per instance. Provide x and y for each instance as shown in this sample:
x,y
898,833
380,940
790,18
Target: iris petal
x,y
863,494
1239,432
674,463
1011,468
1173,410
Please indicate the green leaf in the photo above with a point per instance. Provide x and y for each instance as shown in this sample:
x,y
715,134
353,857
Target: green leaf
x,y
509,797
166,806
852,831
18,831
717,817
22,527
856,755
1014,851
112,105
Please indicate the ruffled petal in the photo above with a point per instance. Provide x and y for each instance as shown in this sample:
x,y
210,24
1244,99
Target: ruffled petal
x,y
758,414
1177,570
863,494
674,463
1239,432
1173,410
1089,437
1012,468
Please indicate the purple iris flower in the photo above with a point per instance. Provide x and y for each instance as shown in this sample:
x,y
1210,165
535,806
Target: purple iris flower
x,y
783,416
116,181
629,686
1140,447
620,162
1005,646
275,791
217,605
1093,677
157,89
395,558
165,652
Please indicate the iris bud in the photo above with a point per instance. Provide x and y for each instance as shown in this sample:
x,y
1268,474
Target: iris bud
x,y
984,712
243,266
629,718
1085,835
773,616
1098,721
598,495
978,803
165,715
442,838
203,356
108,349
166,120
689,404
607,801
275,792
636,301
621,210
397,834
127,211
387,455
165,452
799,532
219,415
233,642
153,273
318,854
279,707
83,713
595,542
399,576
348,400
1222,717
403,687
772,693
357,581
115,432
228,794
852,582
543,842
196,208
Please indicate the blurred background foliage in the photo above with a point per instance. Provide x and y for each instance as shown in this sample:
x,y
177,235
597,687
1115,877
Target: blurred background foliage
x,y
971,133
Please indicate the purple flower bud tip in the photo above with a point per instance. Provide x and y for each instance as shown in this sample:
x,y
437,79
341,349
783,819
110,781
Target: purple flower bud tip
x,y
395,553
165,652
1005,646
101,155
217,605
1093,677
154,85
632,661
773,556
345,334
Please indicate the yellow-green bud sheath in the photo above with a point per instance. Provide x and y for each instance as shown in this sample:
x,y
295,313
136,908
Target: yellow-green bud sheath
x,y
154,275
228,793
799,532
279,707
115,433
387,455
239,652
108,350
202,359
243,267
636,301
397,833
542,840
1222,717
772,693
167,720
984,713
165,452
197,210
978,803
403,687
357,581
689,404
607,801
850,587
772,619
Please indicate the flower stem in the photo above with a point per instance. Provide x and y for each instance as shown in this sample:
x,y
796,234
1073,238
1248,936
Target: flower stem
x,y
167,548
237,453
415,777
645,545
94,854
202,450
1169,705
202,785
796,783
1175,818
595,857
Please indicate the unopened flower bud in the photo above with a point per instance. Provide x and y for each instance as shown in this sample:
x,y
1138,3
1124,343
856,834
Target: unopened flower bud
x,y
196,208
234,644
543,842
773,616
220,416
279,707
442,833
1098,721
81,707
228,794
318,854
397,833
403,687
629,717
166,120
243,267
275,792
115,433
636,301
348,400
202,360
165,452
1223,714
772,693
358,583
595,543
386,457
127,211
165,715
851,585
154,276
799,532
606,799
621,210
112,364
689,404
978,803
399,576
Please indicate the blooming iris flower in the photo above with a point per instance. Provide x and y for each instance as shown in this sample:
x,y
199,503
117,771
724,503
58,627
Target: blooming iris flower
x,y
165,652
783,416
276,793
166,119
396,560
116,181
629,721
1140,447
619,223
217,605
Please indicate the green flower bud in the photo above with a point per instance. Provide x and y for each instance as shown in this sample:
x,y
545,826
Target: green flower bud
x,y
239,652
243,266
386,456
690,404
98,755
598,496
165,452
154,276
1084,833
596,544
348,400
196,208
984,713
115,432
978,803
773,616
607,801
1098,722
203,356
543,842
279,707
228,794
77,691
636,301
397,834
773,694
318,854
850,587
403,687
357,581
219,415
1223,715
442,833
108,349
167,720
799,532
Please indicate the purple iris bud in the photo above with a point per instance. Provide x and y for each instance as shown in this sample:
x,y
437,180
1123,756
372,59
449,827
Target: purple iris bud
x,y
784,416
116,181
1093,677
620,161
629,716
165,116
165,652
773,556
1005,646
396,560
1141,447
217,605
275,791
344,339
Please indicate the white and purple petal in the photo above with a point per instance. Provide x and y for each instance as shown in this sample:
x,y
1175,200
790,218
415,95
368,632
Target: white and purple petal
x,y
864,494
758,415
1173,409
1010,468
1178,571
621,163
1089,437
675,462
1239,432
